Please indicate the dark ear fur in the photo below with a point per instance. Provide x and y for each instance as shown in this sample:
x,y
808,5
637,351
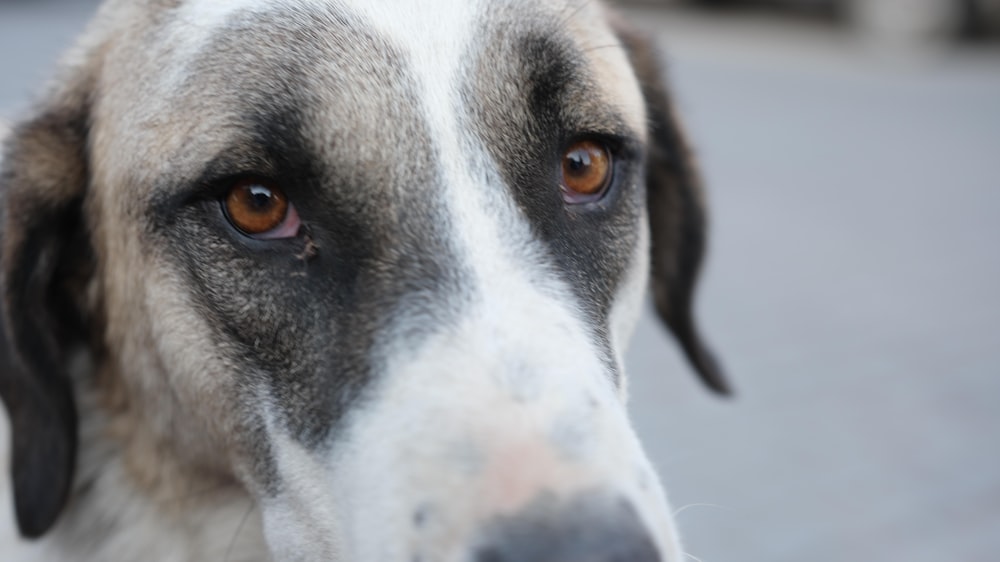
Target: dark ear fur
x,y
676,210
43,251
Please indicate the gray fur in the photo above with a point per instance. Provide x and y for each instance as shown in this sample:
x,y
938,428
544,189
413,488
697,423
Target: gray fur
x,y
198,340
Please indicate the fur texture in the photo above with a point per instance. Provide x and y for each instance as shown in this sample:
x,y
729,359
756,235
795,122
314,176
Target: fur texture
x,y
434,360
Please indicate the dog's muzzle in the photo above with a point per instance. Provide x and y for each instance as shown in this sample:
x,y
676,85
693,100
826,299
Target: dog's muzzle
x,y
499,438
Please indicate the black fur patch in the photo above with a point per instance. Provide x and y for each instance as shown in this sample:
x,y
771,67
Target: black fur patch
x,y
305,316
46,260
677,216
532,96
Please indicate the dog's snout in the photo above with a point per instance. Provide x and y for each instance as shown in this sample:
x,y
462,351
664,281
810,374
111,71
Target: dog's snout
x,y
588,528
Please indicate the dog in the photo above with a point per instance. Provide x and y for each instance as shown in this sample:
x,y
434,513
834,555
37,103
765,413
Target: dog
x,y
343,280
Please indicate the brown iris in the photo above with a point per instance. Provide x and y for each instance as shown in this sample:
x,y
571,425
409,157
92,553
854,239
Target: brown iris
x,y
255,207
586,170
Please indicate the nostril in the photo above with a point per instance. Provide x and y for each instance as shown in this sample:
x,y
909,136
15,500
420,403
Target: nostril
x,y
589,528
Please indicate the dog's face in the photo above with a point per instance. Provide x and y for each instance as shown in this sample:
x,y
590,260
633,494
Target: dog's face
x,y
373,261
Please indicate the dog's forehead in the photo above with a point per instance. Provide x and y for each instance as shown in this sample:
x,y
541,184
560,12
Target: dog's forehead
x,y
198,56
407,22
435,38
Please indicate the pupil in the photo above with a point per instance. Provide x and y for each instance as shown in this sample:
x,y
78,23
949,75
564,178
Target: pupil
x,y
260,197
578,160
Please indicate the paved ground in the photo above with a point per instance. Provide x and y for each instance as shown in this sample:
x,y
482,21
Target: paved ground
x,y
852,290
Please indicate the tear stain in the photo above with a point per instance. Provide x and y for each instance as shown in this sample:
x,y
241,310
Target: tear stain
x,y
309,251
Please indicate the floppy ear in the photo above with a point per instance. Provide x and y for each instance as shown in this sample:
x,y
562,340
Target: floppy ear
x,y
676,210
43,251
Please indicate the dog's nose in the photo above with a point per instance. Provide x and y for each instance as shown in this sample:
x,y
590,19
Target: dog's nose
x,y
587,528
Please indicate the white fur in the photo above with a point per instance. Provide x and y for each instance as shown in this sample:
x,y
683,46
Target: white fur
x,y
628,303
468,421
476,422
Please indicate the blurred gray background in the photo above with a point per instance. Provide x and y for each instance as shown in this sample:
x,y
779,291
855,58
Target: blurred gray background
x,y
852,152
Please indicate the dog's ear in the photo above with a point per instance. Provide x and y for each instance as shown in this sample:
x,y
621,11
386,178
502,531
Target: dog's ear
x,y
43,250
676,209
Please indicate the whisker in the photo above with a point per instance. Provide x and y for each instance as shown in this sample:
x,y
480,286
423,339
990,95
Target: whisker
x,y
239,529
608,46
574,12
692,556
690,505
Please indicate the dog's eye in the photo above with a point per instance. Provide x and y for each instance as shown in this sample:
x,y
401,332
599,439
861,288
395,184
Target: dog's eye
x,y
586,171
260,210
